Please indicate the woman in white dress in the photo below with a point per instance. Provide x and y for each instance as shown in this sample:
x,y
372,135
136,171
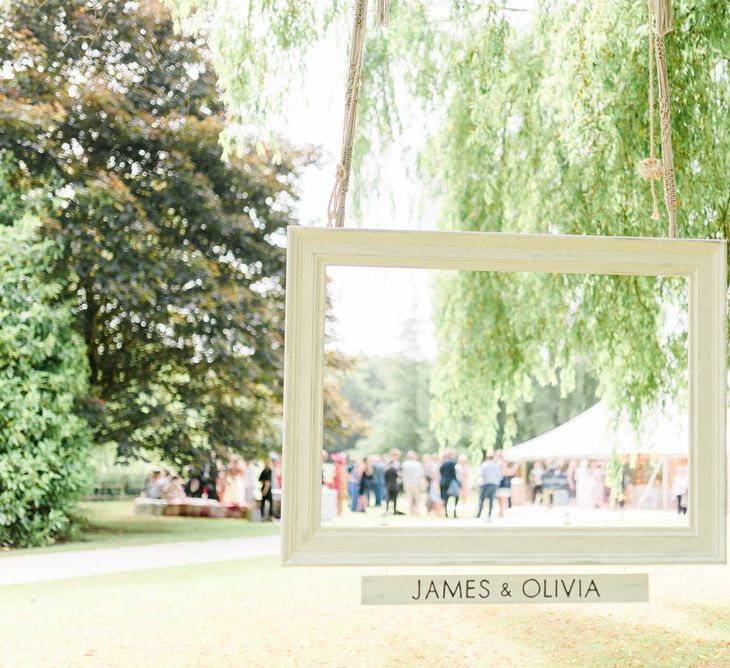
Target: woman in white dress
x,y
584,482
235,487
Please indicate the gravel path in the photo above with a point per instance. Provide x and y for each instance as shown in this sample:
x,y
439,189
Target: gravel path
x,y
82,563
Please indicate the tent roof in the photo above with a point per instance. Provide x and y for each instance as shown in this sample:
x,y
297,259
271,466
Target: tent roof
x,y
596,433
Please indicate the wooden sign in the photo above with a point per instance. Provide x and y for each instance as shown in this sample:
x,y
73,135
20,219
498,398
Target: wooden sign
x,y
490,589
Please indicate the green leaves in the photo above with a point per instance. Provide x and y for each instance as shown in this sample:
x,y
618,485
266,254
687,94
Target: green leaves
x,y
44,444
543,133
174,256
257,47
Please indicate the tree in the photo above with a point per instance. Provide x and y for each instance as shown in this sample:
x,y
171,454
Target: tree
x,y
256,47
44,443
343,425
551,145
543,130
175,258
392,396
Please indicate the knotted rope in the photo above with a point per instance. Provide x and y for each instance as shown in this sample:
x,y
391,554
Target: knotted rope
x,y
650,167
660,23
336,207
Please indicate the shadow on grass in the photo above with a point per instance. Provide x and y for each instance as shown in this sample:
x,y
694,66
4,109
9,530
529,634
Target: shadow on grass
x,y
113,524
715,619
578,637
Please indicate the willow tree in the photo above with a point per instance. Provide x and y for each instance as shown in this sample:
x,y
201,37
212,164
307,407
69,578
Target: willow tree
x,y
543,128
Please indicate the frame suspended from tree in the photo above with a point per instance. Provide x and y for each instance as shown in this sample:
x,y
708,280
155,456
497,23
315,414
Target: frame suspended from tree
x,y
310,251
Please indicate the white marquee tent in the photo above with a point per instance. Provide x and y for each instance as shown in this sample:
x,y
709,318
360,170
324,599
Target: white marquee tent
x,y
595,433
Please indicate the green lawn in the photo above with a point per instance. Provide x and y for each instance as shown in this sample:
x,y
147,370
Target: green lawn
x,y
112,524
253,612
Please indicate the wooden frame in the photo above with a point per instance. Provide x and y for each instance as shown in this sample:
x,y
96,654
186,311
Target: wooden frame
x,y
310,251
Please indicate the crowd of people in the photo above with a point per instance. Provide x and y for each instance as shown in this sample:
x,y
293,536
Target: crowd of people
x,y
439,485
234,483
432,484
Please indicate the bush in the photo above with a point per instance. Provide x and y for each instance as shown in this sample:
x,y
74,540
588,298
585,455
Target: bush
x,y
44,444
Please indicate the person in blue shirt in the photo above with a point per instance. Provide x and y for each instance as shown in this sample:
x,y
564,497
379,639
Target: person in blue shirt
x,y
491,474
378,479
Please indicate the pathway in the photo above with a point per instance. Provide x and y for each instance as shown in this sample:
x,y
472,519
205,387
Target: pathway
x,y
81,563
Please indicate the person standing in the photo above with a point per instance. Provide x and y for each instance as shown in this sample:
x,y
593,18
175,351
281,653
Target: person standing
x,y
220,484
353,484
504,489
392,485
463,474
490,473
378,479
680,489
449,483
365,485
584,486
536,478
249,494
572,492
339,480
413,475
235,489
266,479
193,487
433,503
599,485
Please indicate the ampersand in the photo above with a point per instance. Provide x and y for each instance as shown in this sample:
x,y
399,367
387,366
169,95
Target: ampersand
x,y
505,590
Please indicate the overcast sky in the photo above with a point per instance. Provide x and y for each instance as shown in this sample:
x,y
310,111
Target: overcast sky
x,y
372,307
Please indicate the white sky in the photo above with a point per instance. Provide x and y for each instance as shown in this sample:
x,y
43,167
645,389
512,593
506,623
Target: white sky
x,y
382,311
372,306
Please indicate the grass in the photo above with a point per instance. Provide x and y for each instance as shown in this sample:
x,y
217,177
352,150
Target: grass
x,y
112,524
252,612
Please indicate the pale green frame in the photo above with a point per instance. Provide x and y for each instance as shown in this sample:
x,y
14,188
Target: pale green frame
x,y
311,250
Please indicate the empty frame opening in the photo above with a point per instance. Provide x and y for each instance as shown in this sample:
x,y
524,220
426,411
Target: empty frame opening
x,y
510,399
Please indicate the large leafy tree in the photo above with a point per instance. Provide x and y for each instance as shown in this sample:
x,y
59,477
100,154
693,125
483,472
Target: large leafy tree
x,y
44,443
343,424
392,395
543,134
111,121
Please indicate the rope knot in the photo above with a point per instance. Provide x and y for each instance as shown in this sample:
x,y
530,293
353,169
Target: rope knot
x,y
337,195
651,168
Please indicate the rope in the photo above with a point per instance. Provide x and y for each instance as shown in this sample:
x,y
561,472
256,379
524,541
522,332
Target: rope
x,y
336,207
381,16
651,167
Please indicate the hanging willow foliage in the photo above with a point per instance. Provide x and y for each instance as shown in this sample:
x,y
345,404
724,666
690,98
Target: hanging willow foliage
x,y
540,127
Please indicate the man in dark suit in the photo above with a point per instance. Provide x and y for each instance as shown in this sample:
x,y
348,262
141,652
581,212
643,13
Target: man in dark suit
x,y
449,483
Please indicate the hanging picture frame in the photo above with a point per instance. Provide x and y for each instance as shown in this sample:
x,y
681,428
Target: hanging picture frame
x,y
311,250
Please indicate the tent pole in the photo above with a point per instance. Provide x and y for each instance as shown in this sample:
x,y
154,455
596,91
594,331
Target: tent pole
x,y
665,484
652,478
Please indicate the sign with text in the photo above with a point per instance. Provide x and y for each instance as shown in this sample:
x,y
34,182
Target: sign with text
x,y
488,589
